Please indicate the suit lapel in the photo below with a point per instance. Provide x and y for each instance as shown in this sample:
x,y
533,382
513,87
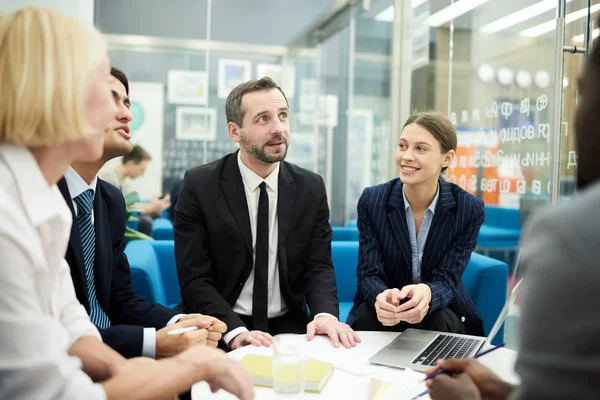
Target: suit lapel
x,y
233,187
286,201
397,220
74,254
103,256
442,219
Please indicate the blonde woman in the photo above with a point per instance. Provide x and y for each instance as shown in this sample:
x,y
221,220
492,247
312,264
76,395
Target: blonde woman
x,y
55,109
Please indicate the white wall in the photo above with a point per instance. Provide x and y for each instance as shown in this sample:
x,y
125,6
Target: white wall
x,y
80,9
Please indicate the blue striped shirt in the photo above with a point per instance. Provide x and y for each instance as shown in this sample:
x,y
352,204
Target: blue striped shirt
x,y
417,242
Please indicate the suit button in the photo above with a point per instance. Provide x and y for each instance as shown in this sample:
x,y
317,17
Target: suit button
x,y
462,319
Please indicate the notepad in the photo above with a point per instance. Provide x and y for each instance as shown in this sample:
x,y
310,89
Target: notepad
x,y
378,388
261,368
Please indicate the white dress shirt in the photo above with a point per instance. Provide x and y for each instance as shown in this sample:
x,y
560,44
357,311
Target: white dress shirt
x,y
40,316
276,306
77,186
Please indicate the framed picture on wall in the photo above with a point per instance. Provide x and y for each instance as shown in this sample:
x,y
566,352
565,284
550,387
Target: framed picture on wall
x,y
196,123
231,74
283,75
187,87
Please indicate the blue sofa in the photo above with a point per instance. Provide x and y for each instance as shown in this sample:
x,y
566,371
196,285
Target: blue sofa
x,y
485,280
154,277
162,229
344,233
153,271
501,229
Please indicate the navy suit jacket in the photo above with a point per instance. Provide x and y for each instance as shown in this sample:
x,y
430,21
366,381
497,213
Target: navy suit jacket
x,y
128,312
385,253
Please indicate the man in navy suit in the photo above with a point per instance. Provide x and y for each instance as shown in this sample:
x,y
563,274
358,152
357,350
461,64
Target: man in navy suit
x,y
99,267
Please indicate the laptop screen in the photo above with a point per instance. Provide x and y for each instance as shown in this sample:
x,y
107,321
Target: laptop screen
x,y
507,306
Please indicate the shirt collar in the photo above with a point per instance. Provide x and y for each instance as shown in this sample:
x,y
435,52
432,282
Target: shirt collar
x,y
431,206
40,201
77,185
252,180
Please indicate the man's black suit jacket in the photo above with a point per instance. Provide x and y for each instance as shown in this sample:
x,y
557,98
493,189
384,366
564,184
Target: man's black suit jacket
x,y
213,241
128,312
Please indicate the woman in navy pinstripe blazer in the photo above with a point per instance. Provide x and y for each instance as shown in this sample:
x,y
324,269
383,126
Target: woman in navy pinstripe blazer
x,y
417,233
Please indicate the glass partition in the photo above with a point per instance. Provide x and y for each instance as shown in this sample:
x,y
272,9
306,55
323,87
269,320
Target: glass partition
x,y
368,153
493,68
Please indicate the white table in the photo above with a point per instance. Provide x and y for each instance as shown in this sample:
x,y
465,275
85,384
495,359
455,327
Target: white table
x,y
344,384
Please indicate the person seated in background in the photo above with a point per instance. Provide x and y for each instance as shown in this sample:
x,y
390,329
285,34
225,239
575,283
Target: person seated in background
x,y
99,266
416,235
175,194
252,233
559,327
56,110
133,165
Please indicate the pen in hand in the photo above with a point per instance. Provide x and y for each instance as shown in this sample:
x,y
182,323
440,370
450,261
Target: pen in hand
x,y
182,330
441,371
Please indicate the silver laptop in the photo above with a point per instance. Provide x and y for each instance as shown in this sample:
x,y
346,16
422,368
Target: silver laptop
x,y
420,349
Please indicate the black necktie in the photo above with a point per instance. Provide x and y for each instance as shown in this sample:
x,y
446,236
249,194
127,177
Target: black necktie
x,y
260,294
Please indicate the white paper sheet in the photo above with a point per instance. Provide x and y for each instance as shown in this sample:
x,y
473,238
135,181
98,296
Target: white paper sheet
x,y
354,360
408,387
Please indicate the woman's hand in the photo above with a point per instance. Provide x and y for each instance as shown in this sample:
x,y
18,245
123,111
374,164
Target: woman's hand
x,y
415,309
386,307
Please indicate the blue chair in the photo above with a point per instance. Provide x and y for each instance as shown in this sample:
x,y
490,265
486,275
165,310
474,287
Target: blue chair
x,y
153,271
162,229
501,230
485,280
343,233
351,223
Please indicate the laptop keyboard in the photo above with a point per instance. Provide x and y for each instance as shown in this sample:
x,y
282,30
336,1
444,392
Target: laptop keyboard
x,y
445,347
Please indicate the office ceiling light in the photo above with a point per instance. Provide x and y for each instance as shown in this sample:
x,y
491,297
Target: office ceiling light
x,y
388,14
453,11
549,26
579,38
519,16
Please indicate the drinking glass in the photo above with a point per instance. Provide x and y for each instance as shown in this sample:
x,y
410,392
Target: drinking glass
x,y
289,366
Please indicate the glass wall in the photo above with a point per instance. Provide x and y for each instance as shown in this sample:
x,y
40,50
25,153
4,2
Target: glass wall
x,y
192,127
492,68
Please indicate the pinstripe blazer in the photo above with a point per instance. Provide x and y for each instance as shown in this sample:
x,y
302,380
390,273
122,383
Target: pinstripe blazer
x,y
385,251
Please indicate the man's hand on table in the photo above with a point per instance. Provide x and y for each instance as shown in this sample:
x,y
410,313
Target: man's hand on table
x,y
336,330
255,338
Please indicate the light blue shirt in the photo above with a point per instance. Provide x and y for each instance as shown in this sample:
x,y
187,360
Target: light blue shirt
x,y
417,242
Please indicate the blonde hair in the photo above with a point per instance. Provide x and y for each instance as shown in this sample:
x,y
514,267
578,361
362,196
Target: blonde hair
x,y
47,61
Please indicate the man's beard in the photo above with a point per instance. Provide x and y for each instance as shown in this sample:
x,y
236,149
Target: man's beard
x,y
260,154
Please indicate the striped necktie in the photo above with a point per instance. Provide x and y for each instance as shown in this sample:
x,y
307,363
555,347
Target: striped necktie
x,y
85,203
